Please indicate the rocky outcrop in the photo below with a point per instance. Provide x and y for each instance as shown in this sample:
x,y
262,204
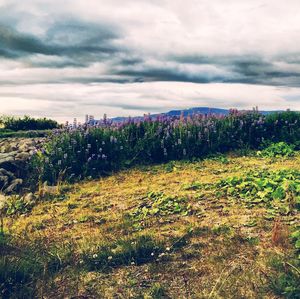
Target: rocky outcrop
x,y
14,156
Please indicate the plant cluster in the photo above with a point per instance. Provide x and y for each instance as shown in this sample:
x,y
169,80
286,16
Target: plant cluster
x,y
280,189
27,123
159,204
85,152
277,150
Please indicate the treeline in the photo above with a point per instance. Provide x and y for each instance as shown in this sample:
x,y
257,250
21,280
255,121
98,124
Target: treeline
x,y
27,123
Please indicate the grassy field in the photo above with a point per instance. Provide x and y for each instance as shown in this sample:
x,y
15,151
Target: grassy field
x,y
178,230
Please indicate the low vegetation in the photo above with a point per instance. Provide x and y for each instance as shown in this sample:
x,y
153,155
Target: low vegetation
x,y
26,123
77,154
222,227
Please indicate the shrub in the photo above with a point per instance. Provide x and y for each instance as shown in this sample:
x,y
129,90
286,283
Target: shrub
x,y
90,152
28,123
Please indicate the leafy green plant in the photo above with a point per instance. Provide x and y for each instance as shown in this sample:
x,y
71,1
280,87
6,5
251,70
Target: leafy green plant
x,y
263,186
18,205
159,204
277,150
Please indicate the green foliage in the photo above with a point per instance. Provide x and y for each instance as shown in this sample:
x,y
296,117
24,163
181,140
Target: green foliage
x,y
80,154
17,205
279,190
285,280
159,204
296,239
127,251
263,186
28,123
277,150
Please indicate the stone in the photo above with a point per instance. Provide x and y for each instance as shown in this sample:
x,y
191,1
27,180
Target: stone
x,y
7,157
29,197
14,186
4,172
22,156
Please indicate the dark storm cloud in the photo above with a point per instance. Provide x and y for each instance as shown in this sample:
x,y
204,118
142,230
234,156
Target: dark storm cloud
x,y
79,43
232,69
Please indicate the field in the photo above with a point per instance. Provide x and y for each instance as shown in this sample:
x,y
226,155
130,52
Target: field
x,y
221,227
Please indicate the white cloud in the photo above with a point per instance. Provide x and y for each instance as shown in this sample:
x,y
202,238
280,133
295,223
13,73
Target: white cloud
x,y
164,41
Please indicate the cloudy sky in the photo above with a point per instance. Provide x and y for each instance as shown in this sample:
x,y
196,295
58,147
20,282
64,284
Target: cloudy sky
x,y
65,59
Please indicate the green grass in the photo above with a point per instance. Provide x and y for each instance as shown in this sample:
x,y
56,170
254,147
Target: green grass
x,y
176,230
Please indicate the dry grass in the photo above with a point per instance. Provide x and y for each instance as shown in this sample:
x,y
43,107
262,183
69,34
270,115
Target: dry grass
x,y
225,246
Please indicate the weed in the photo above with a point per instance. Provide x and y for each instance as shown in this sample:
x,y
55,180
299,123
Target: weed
x,y
277,150
159,204
130,251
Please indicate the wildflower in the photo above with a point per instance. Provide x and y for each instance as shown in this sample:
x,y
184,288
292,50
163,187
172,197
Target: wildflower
x,y
152,253
65,156
110,258
95,256
100,149
168,249
81,262
132,263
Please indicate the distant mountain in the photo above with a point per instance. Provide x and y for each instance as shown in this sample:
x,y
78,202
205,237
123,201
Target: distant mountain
x,y
186,112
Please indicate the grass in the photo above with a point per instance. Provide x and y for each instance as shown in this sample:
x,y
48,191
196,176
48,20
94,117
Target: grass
x,y
191,241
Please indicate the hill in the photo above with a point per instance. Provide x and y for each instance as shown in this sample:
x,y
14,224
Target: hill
x,y
190,111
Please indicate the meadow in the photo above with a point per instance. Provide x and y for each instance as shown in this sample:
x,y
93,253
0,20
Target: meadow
x,y
204,207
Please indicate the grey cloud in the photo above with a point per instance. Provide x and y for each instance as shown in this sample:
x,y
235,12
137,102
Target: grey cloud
x,y
80,43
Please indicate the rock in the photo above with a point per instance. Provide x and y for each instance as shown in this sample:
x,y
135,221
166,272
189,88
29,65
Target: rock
x,y
7,157
4,172
15,186
29,197
22,156
4,181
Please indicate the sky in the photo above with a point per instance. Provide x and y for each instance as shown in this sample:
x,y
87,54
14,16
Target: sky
x,y
65,59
